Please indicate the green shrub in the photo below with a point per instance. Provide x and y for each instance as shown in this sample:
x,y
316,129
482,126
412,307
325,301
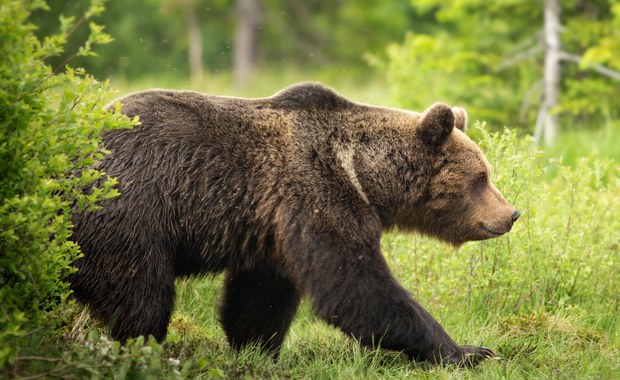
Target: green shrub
x,y
97,357
50,126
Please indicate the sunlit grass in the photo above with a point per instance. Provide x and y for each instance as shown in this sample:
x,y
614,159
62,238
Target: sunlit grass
x,y
560,342
601,142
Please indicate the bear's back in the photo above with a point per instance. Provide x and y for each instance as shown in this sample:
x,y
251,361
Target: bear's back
x,y
190,119
167,103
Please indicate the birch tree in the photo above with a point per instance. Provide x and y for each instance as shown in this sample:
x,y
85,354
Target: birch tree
x,y
551,79
554,55
549,65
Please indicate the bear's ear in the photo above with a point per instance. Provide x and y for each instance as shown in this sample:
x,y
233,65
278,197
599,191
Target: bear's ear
x,y
460,118
436,124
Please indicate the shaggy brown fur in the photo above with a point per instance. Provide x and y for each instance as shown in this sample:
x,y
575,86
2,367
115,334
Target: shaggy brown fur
x,y
288,195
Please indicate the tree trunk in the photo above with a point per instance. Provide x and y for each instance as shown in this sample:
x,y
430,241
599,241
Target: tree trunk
x,y
194,37
246,39
552,70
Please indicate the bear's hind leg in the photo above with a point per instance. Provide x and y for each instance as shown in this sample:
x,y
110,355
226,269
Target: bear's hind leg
x,y
258,308
145,307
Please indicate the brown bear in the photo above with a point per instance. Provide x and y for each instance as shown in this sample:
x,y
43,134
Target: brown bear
x,y
289,195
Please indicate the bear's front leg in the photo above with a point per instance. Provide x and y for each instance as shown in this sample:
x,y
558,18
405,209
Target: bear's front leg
x,y
353,289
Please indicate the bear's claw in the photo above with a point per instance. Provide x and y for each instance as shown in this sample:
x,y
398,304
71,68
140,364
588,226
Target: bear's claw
x,y
469,356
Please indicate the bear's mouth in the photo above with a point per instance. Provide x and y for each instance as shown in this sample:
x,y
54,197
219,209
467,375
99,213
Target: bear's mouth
x,y
490,230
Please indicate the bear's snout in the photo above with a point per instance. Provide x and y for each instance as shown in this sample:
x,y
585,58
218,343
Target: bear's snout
x,y
497,215
500,224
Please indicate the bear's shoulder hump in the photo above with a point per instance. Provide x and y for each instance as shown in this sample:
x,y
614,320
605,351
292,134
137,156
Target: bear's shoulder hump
x,y
310,95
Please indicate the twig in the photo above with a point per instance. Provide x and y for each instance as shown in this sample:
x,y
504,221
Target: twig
x,y
57,68
525,104
532,51
33,331
606,71
40,358
536,37
540,122
37,376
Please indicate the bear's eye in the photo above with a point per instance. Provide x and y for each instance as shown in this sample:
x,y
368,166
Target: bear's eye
x,y
481,180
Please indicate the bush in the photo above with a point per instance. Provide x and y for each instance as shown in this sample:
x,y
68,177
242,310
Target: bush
x,y
50,128
96,356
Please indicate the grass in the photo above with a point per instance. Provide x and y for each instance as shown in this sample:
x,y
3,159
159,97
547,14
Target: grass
x,y
539,344
563,341
574,144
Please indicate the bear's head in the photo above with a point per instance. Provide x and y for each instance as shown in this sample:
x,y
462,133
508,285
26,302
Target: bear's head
x,y
459,202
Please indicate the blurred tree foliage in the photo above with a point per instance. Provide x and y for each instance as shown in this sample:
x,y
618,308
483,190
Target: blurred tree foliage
x,y
151,37
488,56
145,39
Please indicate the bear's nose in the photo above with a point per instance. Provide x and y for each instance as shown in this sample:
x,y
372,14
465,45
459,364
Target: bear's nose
x,y
516,216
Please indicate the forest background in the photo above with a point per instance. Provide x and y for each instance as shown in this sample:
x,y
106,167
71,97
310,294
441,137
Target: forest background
x,y
490,58
540,80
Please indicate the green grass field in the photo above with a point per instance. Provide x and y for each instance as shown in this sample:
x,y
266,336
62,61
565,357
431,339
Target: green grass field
x,y
562,342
